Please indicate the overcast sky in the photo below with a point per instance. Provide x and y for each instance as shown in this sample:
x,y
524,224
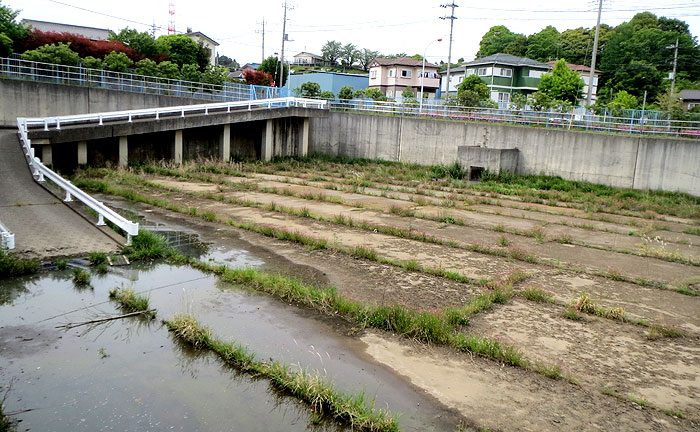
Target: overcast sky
x,y
386,26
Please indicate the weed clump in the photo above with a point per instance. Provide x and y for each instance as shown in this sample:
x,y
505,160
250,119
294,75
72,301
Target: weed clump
x,y
81,277
12,266
536,295
129,301
147,245
659,332
97,258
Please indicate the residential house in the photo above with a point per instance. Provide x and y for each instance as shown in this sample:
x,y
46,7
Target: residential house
x,y
689,99
208,42
92,33
308,59
584,71
504,74
238,73
331,81
393,75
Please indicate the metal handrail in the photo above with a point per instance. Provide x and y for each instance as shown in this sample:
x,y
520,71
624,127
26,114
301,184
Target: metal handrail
x,y
27,70
182,111
7,238
41,172
569,120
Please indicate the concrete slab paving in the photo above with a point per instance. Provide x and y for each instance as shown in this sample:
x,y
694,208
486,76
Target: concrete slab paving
x,y
43,225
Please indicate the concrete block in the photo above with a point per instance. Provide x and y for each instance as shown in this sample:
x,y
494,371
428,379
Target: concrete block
x,y
82,152
268,138
123,152
476,159
226,143
177,147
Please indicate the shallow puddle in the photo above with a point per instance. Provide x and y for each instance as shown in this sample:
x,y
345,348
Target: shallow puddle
x,y
129,374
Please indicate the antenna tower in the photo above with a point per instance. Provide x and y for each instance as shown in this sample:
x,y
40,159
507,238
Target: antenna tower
x,y
171,21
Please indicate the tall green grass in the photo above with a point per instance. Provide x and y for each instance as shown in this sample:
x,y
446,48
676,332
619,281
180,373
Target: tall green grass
x,y
12,266
129,301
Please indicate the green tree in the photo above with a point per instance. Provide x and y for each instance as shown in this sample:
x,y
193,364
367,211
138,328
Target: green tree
x,y
181,49
215,75
349,55
146,67
142,42
116,62
543,46
408,92
622,101
576,45
52,53
310,90
228,62
271,65
636,77
365,57
472,92
13,30
190,72
518,101
5,45
203,56
168,69
331,51
562,84
541,101
327,94
501,40
374,93
359,93
91,62
345,93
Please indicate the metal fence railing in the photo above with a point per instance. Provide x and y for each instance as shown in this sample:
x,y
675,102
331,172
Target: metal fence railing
x,y
41,173
14,68
575,120
7,238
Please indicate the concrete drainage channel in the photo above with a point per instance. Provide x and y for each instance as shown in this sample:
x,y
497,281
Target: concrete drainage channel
x,y
130,374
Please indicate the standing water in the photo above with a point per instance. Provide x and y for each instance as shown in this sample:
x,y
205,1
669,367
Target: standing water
x,y
130,375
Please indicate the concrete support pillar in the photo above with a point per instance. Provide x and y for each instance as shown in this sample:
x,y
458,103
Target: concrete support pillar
x,y
177,147
123,152
82,153
47,154
226,143
266,153
304,146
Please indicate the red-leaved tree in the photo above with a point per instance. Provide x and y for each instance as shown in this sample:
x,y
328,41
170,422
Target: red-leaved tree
x,y
256,77
80,44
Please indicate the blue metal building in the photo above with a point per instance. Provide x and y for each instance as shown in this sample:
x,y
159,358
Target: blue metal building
x,y
332,81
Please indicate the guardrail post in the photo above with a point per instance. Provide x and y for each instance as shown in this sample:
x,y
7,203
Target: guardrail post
x,y
101,220
68,197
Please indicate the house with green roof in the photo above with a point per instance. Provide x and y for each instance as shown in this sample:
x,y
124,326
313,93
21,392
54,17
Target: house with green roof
x,y
504,74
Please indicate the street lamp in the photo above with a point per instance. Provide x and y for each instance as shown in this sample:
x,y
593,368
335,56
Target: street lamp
x,y
422,74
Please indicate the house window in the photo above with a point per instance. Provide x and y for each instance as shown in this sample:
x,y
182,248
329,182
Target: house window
x,y
405,73
483,71
503,97
390,93
391,73
461,78
506,72
373,74
535,74
470,72
692,105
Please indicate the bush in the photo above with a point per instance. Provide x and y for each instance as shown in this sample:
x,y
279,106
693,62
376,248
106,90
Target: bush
x,y
345,93
5,45
310,90
91,62
374,93
117,62
83,46
168,69
260,78
147,67
189,72
56,54
327,94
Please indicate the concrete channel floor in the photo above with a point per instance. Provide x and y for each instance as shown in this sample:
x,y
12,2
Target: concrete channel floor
x,y
43,225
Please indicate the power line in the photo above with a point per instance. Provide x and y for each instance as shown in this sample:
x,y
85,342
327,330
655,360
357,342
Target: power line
x,y
104,14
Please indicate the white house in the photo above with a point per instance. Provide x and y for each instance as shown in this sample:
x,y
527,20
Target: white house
x,y
208,42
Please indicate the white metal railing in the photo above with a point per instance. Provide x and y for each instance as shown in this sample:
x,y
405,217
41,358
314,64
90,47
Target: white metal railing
x,y
7,238
41,172
182,111
15,68
568,120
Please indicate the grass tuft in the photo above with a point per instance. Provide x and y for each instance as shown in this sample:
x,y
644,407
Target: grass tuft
x,y
12,266
81,277
536,295
147,245
97,258
129,301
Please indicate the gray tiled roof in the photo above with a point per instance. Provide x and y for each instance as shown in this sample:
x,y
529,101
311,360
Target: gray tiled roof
x,y
506,59
689,95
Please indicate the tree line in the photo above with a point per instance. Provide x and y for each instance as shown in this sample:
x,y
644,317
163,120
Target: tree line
x,y
634,57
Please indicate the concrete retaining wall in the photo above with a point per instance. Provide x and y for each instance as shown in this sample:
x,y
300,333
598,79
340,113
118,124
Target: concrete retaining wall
x,y
615,160
34,99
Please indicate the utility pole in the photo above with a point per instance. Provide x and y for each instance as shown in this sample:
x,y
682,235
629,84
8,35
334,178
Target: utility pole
x,y
452,19
594,55
284,38
675,62
263,38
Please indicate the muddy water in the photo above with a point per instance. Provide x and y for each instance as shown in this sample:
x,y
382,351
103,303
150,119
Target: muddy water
x,y
130,375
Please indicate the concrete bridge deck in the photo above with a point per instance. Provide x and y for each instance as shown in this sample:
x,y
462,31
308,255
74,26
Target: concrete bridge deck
x,y
43,225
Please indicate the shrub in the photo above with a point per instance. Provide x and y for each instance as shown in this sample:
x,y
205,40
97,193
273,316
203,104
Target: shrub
x,y
83,46
261,78
56,54
345,93
117,62
147,67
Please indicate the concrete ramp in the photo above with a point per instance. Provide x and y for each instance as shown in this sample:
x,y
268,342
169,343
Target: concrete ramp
x,y
43,225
